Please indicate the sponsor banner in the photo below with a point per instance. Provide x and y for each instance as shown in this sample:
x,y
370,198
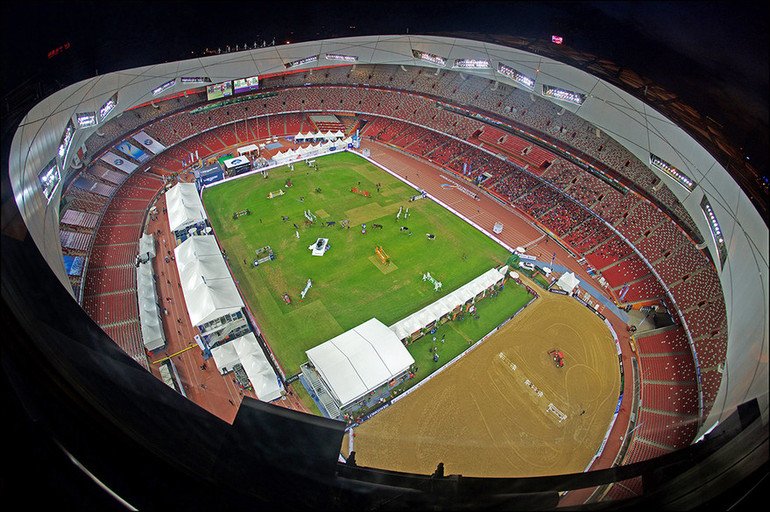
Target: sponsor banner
x,y
119,162
580,300
560,292
149,143
526,257
132,151
292,379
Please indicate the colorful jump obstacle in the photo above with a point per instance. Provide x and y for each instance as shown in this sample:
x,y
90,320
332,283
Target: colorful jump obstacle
x,y
307,287
364,193
276,193
241,213
436,284
383,255
264,254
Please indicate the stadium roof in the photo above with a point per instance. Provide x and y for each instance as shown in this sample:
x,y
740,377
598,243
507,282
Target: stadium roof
x,y
360,360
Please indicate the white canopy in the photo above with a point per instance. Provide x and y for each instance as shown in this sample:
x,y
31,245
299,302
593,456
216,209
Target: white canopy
x,y
225,357
446,304
149,312
207,285
248,149
257,367
184,206
568,281
147,245
360,360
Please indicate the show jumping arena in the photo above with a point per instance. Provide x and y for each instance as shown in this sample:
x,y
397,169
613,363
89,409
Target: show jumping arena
x,y
505,409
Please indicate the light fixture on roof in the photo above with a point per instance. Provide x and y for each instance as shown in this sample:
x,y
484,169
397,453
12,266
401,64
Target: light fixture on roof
x,y
471,64
429,57
716,231
557,93
672,172
516,76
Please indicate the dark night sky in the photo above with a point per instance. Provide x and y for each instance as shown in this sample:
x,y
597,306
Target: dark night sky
x,y
714,55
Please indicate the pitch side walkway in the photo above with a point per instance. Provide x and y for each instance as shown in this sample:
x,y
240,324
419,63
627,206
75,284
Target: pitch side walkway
x,y
204,385
518,230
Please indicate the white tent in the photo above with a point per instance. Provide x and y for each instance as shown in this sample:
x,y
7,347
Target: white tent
x,y
568,281
248,149
149,312
446,304
225,357
257,367
147,246
207,285
360,360
184,206
338,134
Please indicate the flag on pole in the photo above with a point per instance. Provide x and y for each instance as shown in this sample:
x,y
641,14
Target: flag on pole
x,y
553,258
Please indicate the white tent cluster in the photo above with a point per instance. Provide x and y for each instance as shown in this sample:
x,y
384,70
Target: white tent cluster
x,y
211,294
184,206
149,311
247,352
207,285
300,137
360,360
302,153
445,305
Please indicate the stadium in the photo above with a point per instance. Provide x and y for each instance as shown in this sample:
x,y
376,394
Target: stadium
x,y
157,333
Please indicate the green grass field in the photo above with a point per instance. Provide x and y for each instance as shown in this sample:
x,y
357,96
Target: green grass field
x,y
350,283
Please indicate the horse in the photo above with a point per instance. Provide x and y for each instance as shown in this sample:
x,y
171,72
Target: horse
x,y
377,226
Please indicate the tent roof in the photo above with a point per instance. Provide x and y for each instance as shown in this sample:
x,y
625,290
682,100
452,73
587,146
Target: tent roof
x,y
446,304
184,206
207,285
568,281
257,367
359,360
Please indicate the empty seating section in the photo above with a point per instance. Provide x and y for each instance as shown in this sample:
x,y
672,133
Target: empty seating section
x,y
646,288
665,236
674,340
611,205
642,218
705,320
110,255
642,449
210,143
624,271
671,367
122,218
711,351
673,398
671,430
116,234
701,286
128,335
110,279
684,260
112,307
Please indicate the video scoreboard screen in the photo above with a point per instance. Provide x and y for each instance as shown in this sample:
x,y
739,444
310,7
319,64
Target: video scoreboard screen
x,y
221,90
246,84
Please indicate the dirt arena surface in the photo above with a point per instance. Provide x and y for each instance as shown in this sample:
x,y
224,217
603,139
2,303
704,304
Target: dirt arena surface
x,y
481,418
